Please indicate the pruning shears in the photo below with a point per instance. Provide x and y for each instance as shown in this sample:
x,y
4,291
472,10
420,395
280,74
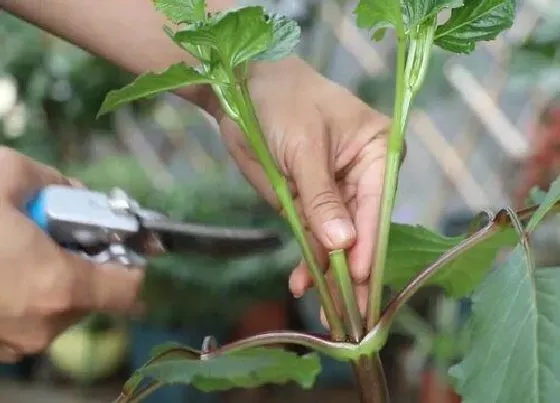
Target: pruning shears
x,y
112,226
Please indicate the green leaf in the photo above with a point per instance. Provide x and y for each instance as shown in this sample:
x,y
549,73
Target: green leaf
x,y
180,11
477,20
552,197
236,36
418,11
412,248
150,84
286,35
246,369
378,15
514,350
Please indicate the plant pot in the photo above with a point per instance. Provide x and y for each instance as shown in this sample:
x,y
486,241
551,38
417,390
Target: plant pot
x,y
144,337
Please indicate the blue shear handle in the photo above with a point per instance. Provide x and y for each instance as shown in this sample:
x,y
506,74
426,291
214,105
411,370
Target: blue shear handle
x,y
35,210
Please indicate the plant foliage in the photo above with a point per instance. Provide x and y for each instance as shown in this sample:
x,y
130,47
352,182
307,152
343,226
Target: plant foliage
x,y
514,328
470,22
245,369
224,44
411,248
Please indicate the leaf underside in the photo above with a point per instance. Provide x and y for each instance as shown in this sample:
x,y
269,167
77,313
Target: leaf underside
x,y
514,352
514,343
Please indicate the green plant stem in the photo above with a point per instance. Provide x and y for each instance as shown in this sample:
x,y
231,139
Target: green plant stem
x,y
363,356
351,312
394,150
411,72
371,379
367,370
249,122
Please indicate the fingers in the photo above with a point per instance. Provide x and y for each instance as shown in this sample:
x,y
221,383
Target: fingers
x,y
109,288
21,177
367,216
301,279
323,207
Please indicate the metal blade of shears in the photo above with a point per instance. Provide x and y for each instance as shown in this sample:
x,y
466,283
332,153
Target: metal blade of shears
x,y
182,237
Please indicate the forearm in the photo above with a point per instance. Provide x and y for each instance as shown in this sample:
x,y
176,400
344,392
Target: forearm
x,y
125,32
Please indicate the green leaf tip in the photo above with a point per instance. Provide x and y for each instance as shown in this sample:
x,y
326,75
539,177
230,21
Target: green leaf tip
x,y
151,84
551,198
182,11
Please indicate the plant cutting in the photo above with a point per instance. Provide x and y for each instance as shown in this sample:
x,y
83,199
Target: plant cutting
x,y
406,257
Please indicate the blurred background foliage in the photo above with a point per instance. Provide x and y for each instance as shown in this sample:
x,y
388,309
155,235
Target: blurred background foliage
x,y
536,61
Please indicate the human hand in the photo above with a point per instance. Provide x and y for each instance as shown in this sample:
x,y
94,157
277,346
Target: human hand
x,y
43,288
331,147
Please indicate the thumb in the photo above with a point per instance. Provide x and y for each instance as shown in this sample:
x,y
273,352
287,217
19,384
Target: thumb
x,y
323,207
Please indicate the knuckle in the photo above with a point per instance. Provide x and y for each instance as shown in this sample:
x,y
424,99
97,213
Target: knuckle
x,y
324,202
379,125
300,148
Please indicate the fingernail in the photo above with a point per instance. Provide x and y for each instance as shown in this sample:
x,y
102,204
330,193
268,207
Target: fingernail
x,y
339,232
296,291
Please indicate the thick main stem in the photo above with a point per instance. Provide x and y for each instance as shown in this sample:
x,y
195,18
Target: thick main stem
x,y
392,165
411,72
249,122
372,387
409,80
